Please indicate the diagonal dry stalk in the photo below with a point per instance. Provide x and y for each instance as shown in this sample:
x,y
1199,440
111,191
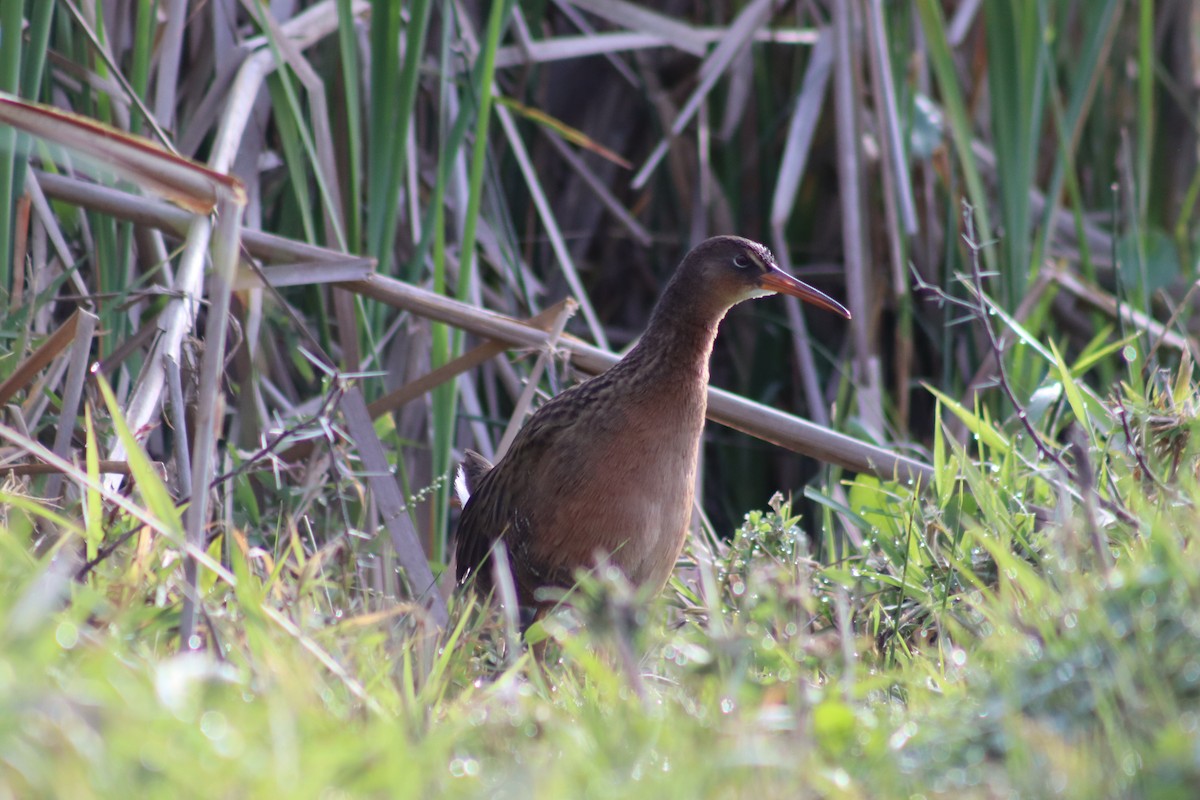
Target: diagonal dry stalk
x,y
768,424
727,408
49,350
525,401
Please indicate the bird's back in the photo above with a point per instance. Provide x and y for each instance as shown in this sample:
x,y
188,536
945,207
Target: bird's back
x,y
605,470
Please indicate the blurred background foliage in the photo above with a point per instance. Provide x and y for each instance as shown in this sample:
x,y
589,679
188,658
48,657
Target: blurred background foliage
x,y
1003,193
846,136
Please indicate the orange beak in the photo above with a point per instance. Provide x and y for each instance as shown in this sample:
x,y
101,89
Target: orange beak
x,y
779,281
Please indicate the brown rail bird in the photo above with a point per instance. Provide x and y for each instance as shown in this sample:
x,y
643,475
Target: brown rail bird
x,y
607,469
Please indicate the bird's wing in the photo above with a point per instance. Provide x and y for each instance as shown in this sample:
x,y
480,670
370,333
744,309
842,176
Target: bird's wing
x,y
484,519
497,505
468,475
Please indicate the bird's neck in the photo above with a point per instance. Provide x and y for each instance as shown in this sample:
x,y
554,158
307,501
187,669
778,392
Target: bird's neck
x,y
674,351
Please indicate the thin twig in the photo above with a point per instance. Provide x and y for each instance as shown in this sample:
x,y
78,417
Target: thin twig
x,y
997,347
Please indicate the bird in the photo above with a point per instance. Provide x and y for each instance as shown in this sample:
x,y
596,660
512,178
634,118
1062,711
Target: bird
x,y
605,472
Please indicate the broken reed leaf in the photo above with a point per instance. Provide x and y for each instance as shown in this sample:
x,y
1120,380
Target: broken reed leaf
x,y
134,158
573,135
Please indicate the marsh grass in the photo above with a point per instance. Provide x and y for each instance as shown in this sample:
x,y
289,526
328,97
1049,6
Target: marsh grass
x,y
1005,194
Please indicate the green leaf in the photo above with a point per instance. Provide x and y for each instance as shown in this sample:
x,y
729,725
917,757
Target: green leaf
x,y
1074,396
984,431
149,485
874,504
833,726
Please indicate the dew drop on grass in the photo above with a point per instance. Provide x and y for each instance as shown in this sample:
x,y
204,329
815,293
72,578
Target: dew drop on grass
x,y
726,705
902,735
67,635
214,725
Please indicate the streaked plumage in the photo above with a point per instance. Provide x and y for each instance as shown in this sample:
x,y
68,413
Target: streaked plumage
x,y
608,467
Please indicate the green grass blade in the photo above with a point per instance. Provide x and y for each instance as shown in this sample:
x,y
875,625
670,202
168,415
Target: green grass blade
x,y
11,24
392,97
1146,57
348,51
1015,81
983,430
150,486
93,508
961,128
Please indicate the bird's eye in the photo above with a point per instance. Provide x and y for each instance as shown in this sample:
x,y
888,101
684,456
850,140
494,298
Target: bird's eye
x,y
741,262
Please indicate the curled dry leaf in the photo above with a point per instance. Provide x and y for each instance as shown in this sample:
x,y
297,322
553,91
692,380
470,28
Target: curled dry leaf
x,y
180,180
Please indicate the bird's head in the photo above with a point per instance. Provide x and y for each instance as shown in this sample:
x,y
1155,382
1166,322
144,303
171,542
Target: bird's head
x,y
730,269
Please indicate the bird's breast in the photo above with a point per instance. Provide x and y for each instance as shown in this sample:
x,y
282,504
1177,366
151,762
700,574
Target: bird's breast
x,y
627,496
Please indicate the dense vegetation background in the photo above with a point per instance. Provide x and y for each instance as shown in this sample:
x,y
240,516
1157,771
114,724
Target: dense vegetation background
x,y
217,587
